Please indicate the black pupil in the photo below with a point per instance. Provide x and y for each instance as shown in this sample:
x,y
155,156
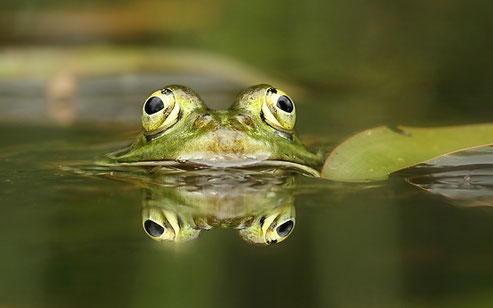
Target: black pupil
x,y
153,228
153,105
285,104
285,228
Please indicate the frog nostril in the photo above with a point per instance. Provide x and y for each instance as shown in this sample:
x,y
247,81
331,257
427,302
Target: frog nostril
x,y
202,120
245,120
153,105
153,229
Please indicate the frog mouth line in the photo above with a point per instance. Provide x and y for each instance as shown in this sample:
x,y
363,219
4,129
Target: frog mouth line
x,y
194,165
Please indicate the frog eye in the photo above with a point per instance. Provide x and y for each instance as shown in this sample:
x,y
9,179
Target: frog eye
x,y
167,225
278,232
285,228
160,224
278,110
160,112
153,228
280,227
159,231
153,105
273,227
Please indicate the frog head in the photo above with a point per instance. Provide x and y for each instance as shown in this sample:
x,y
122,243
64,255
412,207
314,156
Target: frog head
x,y
259,127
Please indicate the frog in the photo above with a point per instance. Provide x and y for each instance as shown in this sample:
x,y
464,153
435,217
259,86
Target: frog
x,y
260,207
178,128
272,225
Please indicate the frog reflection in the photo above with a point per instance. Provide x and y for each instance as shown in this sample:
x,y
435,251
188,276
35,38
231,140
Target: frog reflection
x,y
263,213
264,228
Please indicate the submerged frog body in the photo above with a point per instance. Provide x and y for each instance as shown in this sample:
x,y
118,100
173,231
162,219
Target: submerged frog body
x,y
257,128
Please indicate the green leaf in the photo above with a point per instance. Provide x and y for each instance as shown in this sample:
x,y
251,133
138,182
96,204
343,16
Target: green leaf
x,y
375,153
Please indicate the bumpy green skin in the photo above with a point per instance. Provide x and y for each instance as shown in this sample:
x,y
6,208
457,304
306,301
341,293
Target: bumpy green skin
x,y
214,137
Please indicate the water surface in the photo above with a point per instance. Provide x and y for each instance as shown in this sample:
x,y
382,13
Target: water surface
x,y
76,240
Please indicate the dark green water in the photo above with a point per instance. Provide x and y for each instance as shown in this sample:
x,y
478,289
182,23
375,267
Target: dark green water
x,y
74,240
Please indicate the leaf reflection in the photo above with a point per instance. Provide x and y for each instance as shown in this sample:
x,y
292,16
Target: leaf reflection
x,y
465,176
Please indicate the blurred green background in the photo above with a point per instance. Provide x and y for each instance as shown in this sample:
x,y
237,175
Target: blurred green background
x,y
364,63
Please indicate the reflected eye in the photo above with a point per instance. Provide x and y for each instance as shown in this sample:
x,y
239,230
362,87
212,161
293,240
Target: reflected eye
x,y
284,229
153,229
278,110
160,112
